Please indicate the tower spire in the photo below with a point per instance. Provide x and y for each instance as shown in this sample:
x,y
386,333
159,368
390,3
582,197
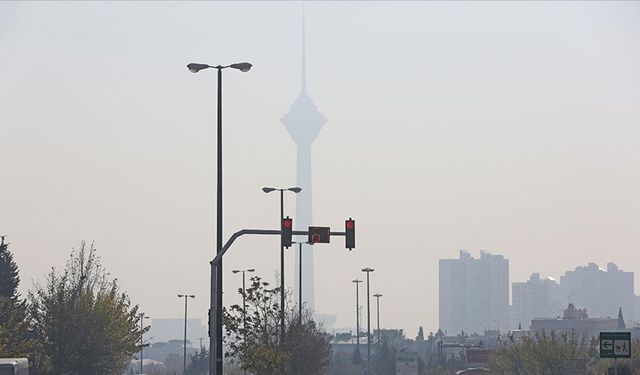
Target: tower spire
x,y
303,72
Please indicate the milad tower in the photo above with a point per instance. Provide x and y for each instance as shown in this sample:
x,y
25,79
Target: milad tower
x,y
303,122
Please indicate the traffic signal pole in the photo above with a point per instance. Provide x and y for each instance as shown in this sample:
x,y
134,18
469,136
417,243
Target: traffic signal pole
x,y
215,311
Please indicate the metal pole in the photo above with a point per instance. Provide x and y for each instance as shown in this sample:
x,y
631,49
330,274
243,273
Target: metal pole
x,y
300,286
378,316
218,311
244,308
368,326
184,359
141,341
281,270
244,311
357,320
615,366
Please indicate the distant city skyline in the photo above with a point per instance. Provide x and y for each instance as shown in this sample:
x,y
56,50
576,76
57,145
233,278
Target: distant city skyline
x,y
474,294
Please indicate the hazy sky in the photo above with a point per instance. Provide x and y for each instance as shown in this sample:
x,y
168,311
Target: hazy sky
x,y
510,127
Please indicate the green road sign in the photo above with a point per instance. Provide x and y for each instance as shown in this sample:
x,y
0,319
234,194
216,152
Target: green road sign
x,y
615,344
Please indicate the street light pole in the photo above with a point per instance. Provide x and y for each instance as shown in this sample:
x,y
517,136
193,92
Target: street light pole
x,y
184,359
215,338
378,313
244,297
142,318
281,190
300,280
244,303
368,270
356,281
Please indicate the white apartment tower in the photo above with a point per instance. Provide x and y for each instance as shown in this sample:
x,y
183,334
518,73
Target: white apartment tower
x,y
535,298
474,293
602,292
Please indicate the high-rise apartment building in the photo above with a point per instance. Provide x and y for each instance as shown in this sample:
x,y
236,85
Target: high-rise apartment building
x,y
601,292
535,298
474,293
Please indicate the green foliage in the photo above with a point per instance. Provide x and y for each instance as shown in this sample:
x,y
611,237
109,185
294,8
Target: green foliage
x,y
199,364
539,354
86,324
253,335
384,357
16,338
308,348
9,278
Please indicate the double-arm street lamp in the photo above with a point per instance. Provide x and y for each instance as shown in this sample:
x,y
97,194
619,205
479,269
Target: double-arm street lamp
x,y
184,359
281,190
378,295
215,340
368,270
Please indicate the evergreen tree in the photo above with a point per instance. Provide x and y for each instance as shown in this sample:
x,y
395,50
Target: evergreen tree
x,y
199,364
16,339
9,278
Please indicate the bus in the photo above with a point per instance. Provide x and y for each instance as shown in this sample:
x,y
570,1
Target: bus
x,y
14,366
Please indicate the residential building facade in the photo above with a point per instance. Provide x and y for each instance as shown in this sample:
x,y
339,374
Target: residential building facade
x,y
474,293
535,298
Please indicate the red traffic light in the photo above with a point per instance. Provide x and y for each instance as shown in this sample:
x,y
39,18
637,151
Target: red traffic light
x,y
286,232
350,233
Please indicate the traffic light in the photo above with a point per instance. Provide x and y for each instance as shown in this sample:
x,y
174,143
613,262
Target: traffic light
x,y
286,231
350,234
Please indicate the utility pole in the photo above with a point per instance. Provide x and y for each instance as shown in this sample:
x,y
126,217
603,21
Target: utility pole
x,y
184,359
378,295
368,270
356,281
142,318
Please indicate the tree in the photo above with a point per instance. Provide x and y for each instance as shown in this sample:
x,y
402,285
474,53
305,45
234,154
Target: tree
x,y
199,364
16,339
308,348
253,335
541,353
87,325
9,278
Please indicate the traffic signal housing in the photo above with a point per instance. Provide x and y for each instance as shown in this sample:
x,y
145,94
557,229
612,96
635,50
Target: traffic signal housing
x,y
350,234
319,235
286,231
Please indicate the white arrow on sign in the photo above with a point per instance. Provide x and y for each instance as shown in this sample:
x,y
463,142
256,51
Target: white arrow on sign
x,y
606,344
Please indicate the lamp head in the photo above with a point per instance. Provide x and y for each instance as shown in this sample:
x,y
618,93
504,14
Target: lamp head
x,y
356,281
195,67
251,270
235,271
295,189
243,67
377,295
368,269
268,189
